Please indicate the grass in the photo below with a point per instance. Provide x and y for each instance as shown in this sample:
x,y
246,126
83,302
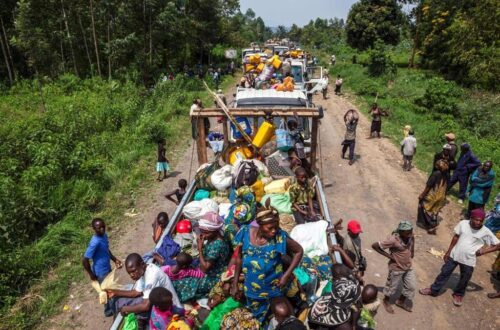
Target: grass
x,y
131,173
398,94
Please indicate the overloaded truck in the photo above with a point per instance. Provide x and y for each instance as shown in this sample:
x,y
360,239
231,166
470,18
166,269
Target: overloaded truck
x,y
252,132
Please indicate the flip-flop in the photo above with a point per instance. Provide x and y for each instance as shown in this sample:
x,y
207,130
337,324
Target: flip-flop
x,y
403,306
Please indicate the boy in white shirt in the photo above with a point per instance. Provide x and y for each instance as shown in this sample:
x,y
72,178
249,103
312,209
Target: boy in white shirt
x,y
408,149
466,245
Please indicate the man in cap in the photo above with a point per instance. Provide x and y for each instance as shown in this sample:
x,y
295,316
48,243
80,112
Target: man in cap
x,y
445,155
466,164
351,243
450,139
401,246
467,244
408,149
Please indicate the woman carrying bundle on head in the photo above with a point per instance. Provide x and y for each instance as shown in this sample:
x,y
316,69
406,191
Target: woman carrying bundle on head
x,y
259,251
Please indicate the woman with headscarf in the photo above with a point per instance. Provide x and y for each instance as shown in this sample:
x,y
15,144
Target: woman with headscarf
x,y
480,185
214,256
259,250
433,198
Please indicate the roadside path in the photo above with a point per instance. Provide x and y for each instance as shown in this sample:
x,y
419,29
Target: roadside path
x,y
377,192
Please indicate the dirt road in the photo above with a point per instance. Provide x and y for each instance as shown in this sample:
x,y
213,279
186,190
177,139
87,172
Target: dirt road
x,y
375,191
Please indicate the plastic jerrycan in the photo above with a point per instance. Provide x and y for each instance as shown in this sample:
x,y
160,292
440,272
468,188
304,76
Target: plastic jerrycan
x,y
264,134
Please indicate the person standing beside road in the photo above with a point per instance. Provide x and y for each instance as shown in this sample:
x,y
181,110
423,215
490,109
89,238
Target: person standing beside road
x,y
466,164
466,245
98,251
433,198
377,114
408,149
450,139
196,106
445,155
351,123
338,85
351,243
333,59
480,186
401,245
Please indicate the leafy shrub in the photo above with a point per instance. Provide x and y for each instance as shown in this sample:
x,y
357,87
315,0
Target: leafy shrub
x,y
380,62
440,98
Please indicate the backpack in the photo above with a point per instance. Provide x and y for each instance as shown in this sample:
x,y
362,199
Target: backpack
x,y
246,174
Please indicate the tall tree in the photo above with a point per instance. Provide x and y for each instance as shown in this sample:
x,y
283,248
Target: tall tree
x,y
369,20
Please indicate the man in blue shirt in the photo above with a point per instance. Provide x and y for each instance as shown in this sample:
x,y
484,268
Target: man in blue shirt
x,y
98,251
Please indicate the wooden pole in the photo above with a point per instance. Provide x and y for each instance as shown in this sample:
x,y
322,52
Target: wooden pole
x,y
314,142
225,131
200,142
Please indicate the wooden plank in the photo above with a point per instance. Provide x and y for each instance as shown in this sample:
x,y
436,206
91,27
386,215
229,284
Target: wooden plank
x,y
314,142
201,144
225,131
255,125
259,112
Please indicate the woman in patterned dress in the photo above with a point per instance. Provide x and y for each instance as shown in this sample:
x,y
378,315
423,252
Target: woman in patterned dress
x,y
214,256
259,250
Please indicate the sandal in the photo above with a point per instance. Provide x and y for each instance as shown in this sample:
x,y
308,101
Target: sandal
x,y
388,307
425,292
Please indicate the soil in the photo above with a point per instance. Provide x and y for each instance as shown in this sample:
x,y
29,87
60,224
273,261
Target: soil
x,y
375,190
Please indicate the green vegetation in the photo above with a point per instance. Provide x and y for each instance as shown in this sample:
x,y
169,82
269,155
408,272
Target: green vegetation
x,y
371,21
88,153
424,100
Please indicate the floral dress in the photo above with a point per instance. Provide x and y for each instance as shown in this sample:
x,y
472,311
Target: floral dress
x,y
262,268
189,288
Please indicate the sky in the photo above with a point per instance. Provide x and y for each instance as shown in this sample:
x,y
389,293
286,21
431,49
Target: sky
x,y
300,12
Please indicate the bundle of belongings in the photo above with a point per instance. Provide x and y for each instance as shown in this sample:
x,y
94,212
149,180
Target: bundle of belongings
x,y
263,71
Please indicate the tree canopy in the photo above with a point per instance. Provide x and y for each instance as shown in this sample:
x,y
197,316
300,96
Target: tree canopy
x,y
369,20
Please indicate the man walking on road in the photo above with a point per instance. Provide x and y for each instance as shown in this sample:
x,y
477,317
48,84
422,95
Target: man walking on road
x,y
401,246
408,149
466,245
466,164
351,123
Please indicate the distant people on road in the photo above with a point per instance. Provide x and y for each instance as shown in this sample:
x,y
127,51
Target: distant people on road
x,y
338,85
480,186
433,198
98,251
376,114
466,165
401,245
408,149
351,118
179,192
162,164
466,245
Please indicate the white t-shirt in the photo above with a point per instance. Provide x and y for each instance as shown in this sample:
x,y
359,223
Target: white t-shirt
x,y
154,277
409,145
470,241
193,108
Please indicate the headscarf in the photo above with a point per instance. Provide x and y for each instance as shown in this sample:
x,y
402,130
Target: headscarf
x,y
266,214
211,222
477,214
405,225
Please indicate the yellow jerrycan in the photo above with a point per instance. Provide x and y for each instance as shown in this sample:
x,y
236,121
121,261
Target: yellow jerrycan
x,y
264,134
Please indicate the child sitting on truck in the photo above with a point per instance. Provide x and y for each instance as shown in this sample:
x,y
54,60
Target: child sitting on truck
x,y
182,268
163,309
301,195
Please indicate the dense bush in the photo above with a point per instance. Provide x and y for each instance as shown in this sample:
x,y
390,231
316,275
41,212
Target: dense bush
x,y
380,62
440,98
57,165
